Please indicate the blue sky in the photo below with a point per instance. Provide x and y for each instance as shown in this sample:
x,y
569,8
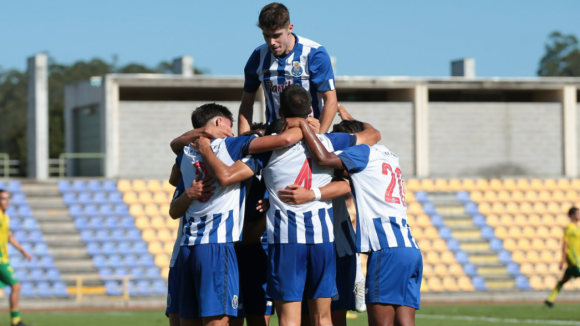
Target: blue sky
x,y
368,38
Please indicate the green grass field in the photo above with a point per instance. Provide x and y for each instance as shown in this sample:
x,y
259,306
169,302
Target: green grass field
x,y
452,315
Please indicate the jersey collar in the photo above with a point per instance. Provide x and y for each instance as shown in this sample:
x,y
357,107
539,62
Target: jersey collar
x,y
283,59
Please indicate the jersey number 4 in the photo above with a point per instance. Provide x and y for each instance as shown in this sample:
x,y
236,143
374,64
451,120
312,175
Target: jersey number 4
x,y
305,176
396,177
201,169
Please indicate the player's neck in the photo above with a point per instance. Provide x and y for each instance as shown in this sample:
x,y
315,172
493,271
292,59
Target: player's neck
x,y
291,45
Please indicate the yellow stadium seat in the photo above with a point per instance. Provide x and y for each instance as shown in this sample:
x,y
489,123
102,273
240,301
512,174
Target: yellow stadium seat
x,y
439,245
536,184
527,269
130,197
490,196
410,197
165,272
164,209
498,208
515,232
149,235
572,195
456,270
563,184
165,185
526,208
124,185
536,282
435,284
165,235
495,184
558,196
450,284
520,219
561,220
550,281
482,184
153,185
418,233
547,256
512,208
531,195
550,184
468,184
504,196
431,233
432,257
136,210
162,260
465,284
492,220
523,244
440,270
161,197
537,244
556,232
424,286
158,222
441,185
542,232
411,220
565,207
476,196
423,220
532,256
575,184
554,268
518,196
544,195
139,185
142,222
528,231
553,208
425,245
523,184
155,247
145,197
501,232
427,185
519,256
414,208
447,257
427,270
541,268
534,220
510,244
412,185
506,219
174,224
509,184
168,247
552,244
548,219
151,209
455,185
484,208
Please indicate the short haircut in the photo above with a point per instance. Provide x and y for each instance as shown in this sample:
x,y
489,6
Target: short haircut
x,y
275,127
258,126
295,102
274,16
2,190
252,132
206,112
348,126
572,211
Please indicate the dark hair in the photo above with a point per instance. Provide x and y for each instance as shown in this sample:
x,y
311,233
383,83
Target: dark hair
x,y
2,190
572,211
275,127
274,16
348,126
258,126
252,132
206,112
295,102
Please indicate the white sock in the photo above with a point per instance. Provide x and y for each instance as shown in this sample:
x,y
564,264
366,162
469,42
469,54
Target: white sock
x,y
359,273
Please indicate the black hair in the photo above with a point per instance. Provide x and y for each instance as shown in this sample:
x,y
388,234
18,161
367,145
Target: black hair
x,y
295,102
348,126
274,16
572,211
252,132
201,115
258,126
275,127
2,190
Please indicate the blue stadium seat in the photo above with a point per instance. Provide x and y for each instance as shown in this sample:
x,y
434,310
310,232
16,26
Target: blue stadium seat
x,y
94,185
53,274
152,272
445,233
429,209
112,288
461,257
41,249
64,186
91,210
96,223
146,260
109,248
15,224
79,186
106,210
121,210
137,272
504,256
29,224
144,287
134,235
87,236
102,235
111,223
24,211
35,236
470,269
479,220
120,271
20,236
133,291
110,185
105,271
21,274
479,283
2,185
93,248
18,199
36,275
124,248
69,198
12,252
437,220
81,223
46,261
159,287
421,197
131,261
59,289
99,261
471,208
464,197
522,283
75,211
100,198
453,245
140,247
487,232
115,261
11,211
27,289
496,244
13,186
16,261
118,235
85,198
27,246
34,262
513,269
128,223
116,198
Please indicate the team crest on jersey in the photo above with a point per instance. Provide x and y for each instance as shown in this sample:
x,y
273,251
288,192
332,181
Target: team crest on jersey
x,y
296,69
235,302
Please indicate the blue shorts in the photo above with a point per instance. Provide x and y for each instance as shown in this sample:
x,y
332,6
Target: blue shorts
x,y
298,270
173,282
253,265
394,277
345,277
209,281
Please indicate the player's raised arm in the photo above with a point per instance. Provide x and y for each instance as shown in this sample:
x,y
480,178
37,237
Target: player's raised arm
x,y
224,175
207,131
297,195
369,135
328,111
270,143
246,112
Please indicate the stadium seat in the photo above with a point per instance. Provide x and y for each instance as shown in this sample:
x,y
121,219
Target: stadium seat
x,y
152,272
115,261
18,199
93,248
139,185
532,256
151,209
556,232
561,219
112,288
440,270
165,235
134,235
166,186
447,257
21,236
536,184
100,198
409,197
137,272
96,223
450,284
29,224
120,271
118,235
79,186
144,287
111,223
145,197
527,269
124,185
87,235
495,184
41,249
534,220
572,195
109,186
412,185
94,186
558,196
512,208
519,257
143,222
102,235
538,244
441,185
36,274
146,260
432,257
130,198
13,187
99,261
127,223
53,274
158,222
64,186
160,197
149,235
124,248
552,244
435,284
27,289
115,198
517,196
541,268
528,232
21,274
24,212
136,210
477,196
69,198
428,270
542,232
159,287
469,184
168,247
109,248
509,184
153,185
523,184
162,260
91,210
131,261
155,247
482,184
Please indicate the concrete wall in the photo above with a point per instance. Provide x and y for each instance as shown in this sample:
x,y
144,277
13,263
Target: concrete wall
x,y
494,139
147,128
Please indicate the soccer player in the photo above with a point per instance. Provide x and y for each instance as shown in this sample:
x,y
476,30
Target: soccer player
x,y
283,60
395,265
570,254
7,277
301,251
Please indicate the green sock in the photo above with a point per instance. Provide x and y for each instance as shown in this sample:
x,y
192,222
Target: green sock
x,y
15,316
555,292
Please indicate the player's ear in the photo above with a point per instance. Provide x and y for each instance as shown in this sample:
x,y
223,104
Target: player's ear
x,y
290,28
309,113
218,122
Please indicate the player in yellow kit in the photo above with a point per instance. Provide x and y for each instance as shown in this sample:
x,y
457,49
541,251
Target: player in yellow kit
x,y
7,277
570,254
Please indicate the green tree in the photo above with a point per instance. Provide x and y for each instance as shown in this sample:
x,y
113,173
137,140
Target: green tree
x,y
562,58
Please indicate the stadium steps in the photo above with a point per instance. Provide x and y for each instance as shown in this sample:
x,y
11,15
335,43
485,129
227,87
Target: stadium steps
x,y
471,241
63,239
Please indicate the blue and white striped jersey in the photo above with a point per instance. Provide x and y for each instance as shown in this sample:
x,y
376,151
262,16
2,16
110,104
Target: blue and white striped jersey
x,y
219,218
308,223
377,188
178,191
344,236
307,65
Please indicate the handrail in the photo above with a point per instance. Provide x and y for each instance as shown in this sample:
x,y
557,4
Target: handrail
x,y
6,164
81,278
63,156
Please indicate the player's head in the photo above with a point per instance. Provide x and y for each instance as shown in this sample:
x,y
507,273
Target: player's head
x,y
574,214
274,20
295,102
4,200
212,114
258,127
275,127
348,126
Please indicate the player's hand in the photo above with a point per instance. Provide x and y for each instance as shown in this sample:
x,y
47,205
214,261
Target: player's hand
x,y
343,113
295,195
27,255
290,123
314,124
561,265
200,143
263,205
213,132
201,188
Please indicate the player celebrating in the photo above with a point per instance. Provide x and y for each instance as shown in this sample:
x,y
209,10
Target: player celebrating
x,y
283,60
570,254
7,277
395,265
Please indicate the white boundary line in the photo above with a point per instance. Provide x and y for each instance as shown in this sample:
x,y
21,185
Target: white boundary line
x,y
500,320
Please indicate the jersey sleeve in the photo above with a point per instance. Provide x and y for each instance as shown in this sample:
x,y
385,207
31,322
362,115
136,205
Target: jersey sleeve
x,y
257,162
238,147
568,233
341,140
251,79
178,159
321,73
179,189
355,158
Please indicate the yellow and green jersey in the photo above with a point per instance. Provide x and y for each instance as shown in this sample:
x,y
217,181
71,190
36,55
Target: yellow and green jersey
x,y
572,237
4,231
